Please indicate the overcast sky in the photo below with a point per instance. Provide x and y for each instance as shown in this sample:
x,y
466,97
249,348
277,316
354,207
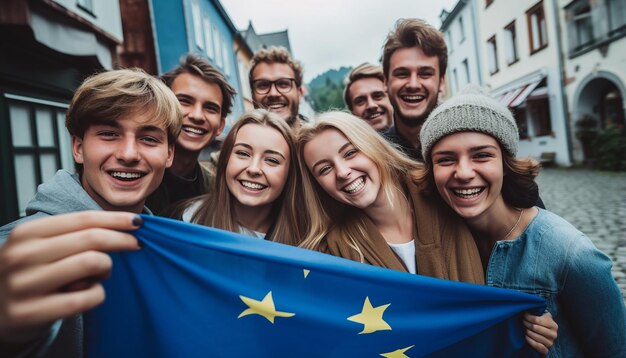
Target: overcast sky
x,y
327,34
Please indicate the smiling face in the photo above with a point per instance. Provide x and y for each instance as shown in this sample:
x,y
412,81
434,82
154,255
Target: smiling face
x,y
468,171
123,161
370,102
286,104
414,82
345,173
258,166
201,103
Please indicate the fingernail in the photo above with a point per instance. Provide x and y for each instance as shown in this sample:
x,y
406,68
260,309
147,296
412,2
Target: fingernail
x,y
137,221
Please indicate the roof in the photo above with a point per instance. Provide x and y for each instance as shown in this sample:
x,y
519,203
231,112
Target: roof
x,y
260,41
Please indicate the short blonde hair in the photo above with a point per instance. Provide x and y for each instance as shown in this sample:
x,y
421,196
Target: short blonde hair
x,y
364,70
114,94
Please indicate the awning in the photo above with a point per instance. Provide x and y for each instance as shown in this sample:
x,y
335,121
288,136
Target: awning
x,y
515,97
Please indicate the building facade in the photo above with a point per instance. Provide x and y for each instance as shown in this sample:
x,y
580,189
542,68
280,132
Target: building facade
x,y
595,67
199,26
521,44
460,30
48,48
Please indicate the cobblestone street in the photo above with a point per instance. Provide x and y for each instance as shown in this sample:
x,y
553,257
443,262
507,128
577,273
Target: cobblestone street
x,y
595,203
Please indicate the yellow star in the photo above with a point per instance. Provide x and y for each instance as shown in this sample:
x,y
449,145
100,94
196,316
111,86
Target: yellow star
x,y
263,308
371,318
306,272
399,353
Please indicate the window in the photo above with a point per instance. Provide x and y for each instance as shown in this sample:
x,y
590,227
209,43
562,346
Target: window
x,y
488,2
208,45
538,35
466,72
86,5
461,29
510,43
449,38
519,114
456,80
227,56
218,47
197,23
584,27
40,145
539,111
243,79
492,54
617,14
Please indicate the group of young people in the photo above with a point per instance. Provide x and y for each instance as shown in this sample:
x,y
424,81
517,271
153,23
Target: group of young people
x,y
439,193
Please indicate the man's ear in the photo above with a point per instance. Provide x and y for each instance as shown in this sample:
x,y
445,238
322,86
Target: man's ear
x,y
170,155
221,128
77,149
442,83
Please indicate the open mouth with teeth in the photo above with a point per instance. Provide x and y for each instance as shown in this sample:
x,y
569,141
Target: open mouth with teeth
x,y
468,193
276,106
126,176
193,130
374,115
412,98
356,185
252,186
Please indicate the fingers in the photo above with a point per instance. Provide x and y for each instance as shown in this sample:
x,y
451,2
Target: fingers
x,y
61,224
47,309
543,350
55,248
47,278
541,331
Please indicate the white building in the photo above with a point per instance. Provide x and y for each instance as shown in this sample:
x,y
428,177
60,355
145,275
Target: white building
x,y
520,44
460,30
594,44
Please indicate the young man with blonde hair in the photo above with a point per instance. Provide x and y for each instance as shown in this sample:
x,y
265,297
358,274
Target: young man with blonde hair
x,y
415,58
366,96
206,98
123,125
276,83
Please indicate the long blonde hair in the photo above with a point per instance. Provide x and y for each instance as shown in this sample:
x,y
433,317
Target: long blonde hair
x,y
217,209
326,213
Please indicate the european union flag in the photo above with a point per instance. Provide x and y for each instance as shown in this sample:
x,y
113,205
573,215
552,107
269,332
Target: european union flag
x,y
194,291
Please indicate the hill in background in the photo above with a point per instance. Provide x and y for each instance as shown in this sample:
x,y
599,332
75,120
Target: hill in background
x,y
326,90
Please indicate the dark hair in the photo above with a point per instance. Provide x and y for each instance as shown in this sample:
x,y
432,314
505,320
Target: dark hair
x,y
200,67
416,33
519,188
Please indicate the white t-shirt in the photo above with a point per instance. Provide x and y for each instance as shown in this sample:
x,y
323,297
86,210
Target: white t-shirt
x,y
406,252
191,210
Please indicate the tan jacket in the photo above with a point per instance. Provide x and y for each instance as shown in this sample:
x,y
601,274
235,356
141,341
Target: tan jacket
x,y
444,246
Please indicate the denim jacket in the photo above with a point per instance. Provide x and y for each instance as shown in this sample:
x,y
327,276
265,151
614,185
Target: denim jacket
x,y
554,260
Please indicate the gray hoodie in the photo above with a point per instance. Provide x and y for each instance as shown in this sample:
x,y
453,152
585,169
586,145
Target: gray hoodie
x,y
60,195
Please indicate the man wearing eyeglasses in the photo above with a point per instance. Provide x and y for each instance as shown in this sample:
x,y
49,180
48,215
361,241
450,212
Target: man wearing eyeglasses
x,y
276,83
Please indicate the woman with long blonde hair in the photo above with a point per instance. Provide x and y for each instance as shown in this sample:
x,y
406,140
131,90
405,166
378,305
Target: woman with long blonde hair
x,y
255,191
364,205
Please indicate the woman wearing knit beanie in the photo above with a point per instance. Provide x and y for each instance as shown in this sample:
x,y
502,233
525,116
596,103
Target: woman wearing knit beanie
x,y
469,144
364,204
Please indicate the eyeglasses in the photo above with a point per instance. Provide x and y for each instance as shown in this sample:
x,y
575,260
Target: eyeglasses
x,y
283,85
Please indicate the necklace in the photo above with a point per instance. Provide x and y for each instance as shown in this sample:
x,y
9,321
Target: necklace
x,y
519,218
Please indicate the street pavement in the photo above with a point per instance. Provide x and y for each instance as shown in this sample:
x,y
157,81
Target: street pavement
x,y
595,203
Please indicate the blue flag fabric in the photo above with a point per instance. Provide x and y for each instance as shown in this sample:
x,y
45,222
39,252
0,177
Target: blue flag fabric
x,y
193,291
